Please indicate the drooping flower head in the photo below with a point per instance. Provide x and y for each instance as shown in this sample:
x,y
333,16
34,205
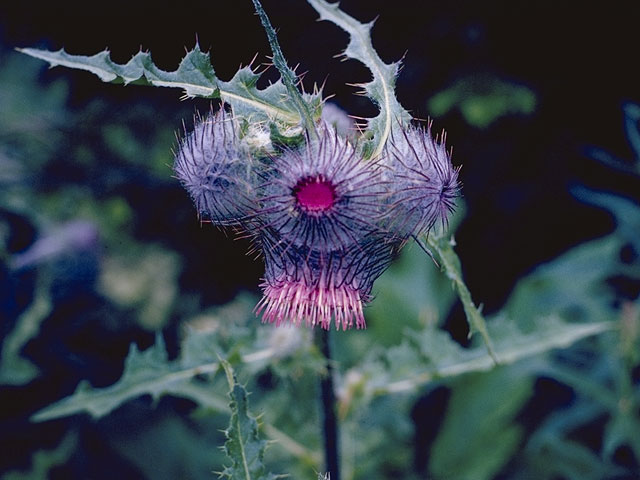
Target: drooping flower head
x,y
425,183
314,287
217,169
320,234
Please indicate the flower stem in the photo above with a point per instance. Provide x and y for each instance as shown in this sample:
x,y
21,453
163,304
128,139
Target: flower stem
x,y
289,78
329,419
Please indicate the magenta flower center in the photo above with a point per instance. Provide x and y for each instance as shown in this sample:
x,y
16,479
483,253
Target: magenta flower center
x,y
315,195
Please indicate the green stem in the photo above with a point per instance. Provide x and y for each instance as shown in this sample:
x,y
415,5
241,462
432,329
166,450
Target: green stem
x,y
442,248
288,76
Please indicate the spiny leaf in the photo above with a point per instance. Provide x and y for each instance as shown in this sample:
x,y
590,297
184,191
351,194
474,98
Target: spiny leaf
x,y
442,248
148,372
435,355
195,74
381,89
196,77
244,446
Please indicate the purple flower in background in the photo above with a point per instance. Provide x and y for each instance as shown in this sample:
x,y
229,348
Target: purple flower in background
x,y
327,222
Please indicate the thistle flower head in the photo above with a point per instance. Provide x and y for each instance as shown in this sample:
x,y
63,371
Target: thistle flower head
x,y
322,197
313,286
326,222
425,182
217,169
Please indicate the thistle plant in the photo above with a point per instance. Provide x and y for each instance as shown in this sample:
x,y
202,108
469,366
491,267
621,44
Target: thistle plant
x,y
328,213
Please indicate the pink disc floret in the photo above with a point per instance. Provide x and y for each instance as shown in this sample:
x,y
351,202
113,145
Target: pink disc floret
x,y
315,195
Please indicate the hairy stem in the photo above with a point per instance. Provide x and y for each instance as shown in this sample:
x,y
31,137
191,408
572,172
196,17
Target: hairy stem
x,y
329,419
288,77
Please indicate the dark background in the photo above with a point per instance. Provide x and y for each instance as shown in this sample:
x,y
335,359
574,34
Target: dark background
x,y
580,60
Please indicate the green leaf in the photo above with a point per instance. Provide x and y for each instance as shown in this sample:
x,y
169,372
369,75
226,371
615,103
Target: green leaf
x,y
482,99
148,372
244,446
195,74
571,285
196,77
43,461
478,434
554,457
431,354
442,248
381,89
14,368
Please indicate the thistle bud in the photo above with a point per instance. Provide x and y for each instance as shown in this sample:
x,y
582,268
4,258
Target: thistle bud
x,y
217,169
425,183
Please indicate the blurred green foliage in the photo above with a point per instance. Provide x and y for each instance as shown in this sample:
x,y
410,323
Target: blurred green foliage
x,y
482,99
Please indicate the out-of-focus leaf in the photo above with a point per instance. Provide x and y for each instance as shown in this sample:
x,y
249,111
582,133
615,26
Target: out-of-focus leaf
x,y
625,211
571,285
488,403
194,447
622,430
553,458
382,88
411,293
44,460
244,446
482,99
15,369
632,129
145,279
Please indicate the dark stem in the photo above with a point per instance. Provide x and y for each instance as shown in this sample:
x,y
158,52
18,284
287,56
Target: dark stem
x,y
329,420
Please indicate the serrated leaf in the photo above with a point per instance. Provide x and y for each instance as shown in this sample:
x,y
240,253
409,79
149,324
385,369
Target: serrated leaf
x,y
244,446
445,358
195,76
442,248
382,88
145,373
